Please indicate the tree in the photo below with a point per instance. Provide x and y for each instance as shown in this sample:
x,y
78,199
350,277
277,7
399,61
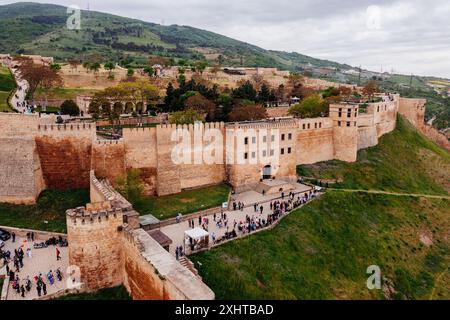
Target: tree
x,y
169,94
200,66
74,63
149,71
110,66
202,105
95,67
245,91
38,75
370,89
70,107
139,91
247,110
55,67
130,72
185,117
264,94
310,107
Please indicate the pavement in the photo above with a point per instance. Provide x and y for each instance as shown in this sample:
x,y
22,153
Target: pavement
x,y
176,231
41,261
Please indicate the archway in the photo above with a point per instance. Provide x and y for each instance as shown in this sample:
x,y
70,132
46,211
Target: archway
x,y
267,172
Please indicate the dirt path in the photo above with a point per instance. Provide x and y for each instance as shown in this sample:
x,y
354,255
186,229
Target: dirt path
x,y
432,196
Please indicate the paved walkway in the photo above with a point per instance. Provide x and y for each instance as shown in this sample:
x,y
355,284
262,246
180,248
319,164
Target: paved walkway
x,y
18,98
41,261
418,195
176,231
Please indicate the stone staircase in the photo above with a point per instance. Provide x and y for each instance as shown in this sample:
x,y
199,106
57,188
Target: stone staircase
x,y
185,262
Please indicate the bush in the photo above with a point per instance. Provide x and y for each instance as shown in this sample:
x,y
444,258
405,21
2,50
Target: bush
x,y
70,107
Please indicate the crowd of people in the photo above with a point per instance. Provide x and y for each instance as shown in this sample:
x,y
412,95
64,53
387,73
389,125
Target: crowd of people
x,y
251,223
14,262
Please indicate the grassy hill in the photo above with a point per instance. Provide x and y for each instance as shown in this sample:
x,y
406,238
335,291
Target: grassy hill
x,y
322,251
7,84
41,29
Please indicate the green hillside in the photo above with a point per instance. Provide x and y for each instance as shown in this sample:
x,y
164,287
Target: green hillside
x,y
322,251
41,29
7,85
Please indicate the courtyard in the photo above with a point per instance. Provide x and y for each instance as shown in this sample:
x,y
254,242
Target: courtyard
x,y
40,261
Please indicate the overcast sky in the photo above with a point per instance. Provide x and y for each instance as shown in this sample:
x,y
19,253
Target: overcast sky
x,y
407,36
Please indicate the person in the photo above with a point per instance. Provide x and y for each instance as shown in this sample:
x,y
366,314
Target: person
x,y
255,207
13,235
44,288
38,289
176,253
22,290
261,208
58,254
32,236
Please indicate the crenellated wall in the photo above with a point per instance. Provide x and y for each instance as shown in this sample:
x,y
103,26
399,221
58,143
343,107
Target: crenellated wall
x,y
65,153
37,155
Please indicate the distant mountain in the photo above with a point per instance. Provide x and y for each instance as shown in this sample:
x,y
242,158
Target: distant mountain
x,y
41,29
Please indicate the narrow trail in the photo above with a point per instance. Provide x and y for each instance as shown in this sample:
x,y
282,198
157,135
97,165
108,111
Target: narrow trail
x,y
418,195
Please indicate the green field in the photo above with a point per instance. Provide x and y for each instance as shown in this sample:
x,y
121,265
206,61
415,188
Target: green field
x,y
7,85
51,207
185,202
116,293
322,250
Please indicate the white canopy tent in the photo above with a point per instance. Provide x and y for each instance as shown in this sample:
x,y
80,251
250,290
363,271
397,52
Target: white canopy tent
x,y
196,233
196,239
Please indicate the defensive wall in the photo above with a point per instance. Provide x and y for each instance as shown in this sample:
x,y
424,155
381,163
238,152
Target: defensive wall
x,y
36,155
109,250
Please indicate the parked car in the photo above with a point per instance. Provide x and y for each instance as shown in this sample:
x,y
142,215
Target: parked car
x,y
2,244
4,235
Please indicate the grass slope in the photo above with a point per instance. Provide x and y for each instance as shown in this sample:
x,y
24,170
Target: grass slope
x,y
116,293
51,207
322,250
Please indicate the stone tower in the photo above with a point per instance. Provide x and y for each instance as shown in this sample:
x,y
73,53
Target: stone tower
x,y
345,131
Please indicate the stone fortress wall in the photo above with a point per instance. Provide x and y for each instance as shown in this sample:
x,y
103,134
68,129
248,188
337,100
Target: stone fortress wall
x,y
37,155
109,248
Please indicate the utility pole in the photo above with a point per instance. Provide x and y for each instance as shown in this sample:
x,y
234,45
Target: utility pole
x,y
359,77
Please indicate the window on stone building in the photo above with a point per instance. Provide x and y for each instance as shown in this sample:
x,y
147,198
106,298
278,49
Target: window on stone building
x,y
253,155
348,123
340,112
339,123
320,125
309,126
315,125
290,136
282,150
272,152
245,155
355,123
378,109
289,150
246,140
264,153
282,137
253,140
264,138
304,126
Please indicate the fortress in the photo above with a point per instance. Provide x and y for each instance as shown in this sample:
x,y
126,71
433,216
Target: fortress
x,y
38,155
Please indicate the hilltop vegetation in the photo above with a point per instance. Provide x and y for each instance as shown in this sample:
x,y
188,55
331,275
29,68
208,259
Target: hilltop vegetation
x,y
322,251
7,84
41,29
